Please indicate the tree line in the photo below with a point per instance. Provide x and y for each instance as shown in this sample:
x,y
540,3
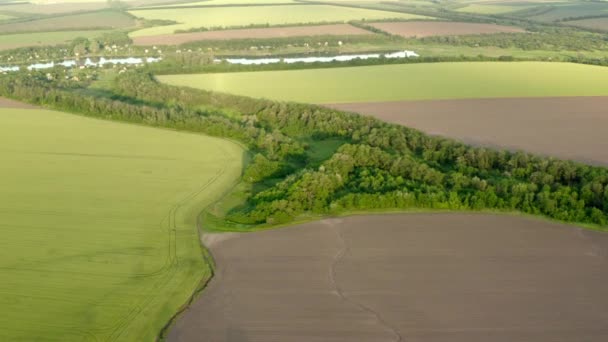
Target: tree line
x,y
377,165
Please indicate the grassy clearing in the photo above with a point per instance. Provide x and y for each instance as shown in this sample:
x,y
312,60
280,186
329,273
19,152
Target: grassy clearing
x,y
94,20
98,222
13,41
408,82
242,16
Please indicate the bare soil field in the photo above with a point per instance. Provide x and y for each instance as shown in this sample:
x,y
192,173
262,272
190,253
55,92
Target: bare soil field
x,y
596,23
256,33
564,127
410,277
6,103
441,28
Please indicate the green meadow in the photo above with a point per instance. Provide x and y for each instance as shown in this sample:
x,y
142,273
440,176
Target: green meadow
x,y
18,40
408,82
99,224
95,20
254,15
491,9
222,3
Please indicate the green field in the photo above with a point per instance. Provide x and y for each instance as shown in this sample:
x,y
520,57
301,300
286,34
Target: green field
x,y
408,82
569,10
99,239
93,20
13,41
242,16
223,2
491,9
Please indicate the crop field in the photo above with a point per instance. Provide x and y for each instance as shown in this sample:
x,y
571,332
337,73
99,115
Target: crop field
x,y
441,28
567,127
95,20
596,23
224,3
243,16
408,82
255,33
414,277
570,10
13,41
56,7
492,9
98,224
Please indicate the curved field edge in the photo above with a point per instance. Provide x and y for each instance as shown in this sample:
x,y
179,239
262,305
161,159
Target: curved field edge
x,y
424,81
104,305
206,254
211,222
321,248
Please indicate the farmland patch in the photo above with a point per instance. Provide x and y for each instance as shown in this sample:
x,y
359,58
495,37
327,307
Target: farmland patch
x,y
432,28
13,41
258,15
595,23
408,82
99,224
94,20
568,127
417,277
254,33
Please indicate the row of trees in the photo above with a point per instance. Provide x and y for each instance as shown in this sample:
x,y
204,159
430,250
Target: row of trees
x,y
547,39
378,166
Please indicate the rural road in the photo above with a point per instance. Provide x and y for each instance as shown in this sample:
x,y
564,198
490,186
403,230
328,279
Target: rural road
x,y
416,277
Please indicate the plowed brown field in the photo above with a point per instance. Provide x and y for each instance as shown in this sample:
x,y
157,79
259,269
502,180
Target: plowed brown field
x,y
256,33
566,127
417,277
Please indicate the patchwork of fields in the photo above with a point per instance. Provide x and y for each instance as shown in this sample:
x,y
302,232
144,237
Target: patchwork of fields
x,y
98,222
408,82
255,15
101,220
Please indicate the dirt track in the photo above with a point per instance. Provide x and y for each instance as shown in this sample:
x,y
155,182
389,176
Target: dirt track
x,y
440,28
6,103
256,33
418,277
565,127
